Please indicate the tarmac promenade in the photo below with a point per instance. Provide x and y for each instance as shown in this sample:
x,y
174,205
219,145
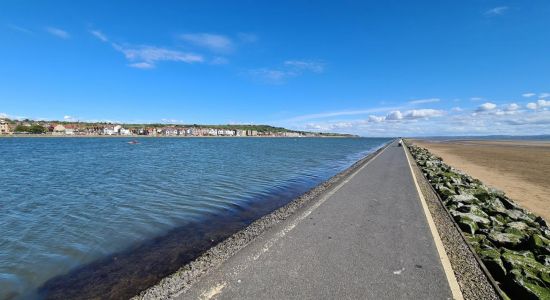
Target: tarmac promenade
x,y
366,238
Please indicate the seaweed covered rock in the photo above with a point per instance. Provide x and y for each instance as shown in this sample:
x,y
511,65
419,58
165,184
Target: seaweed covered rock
x,y
506,239
527,277
513,243
492,260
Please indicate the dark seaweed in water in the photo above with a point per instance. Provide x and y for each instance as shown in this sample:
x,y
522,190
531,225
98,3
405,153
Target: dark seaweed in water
x,y
125,274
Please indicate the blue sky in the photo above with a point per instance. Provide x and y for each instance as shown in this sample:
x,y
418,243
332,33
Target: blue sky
x,y
373,68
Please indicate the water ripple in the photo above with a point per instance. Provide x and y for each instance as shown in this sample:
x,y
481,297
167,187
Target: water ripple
x,y
66,203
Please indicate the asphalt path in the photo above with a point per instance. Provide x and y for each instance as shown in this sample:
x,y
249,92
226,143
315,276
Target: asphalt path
x,y
367,238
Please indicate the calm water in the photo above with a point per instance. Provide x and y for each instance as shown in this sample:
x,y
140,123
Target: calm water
x,y
87,204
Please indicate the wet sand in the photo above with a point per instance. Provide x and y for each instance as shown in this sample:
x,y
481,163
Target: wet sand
x,y
519,168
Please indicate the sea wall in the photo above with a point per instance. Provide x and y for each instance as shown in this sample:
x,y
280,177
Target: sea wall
x,y
513,243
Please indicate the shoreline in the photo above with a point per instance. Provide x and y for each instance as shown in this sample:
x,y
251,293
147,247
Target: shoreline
x,y
160,136
188,274
516,167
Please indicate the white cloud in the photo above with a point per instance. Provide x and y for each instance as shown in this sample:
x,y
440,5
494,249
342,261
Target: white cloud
x,y
423,113
300,65
518,122
486,107
544,95
69,118
290,68
422,101
496,11
146,57
528,95
171,121
98,34
213,42
60,33
394,115
376,119
456,109
341,113
477,98
511,107
531,105
540,104
142,65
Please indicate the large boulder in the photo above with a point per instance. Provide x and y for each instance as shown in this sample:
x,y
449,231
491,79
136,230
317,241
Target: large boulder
x,y
506,239
521,284
462,198
539,244
527,277
494,206
493,262
470,222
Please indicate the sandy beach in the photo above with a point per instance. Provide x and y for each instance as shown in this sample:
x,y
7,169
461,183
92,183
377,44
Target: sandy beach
x,y
519,168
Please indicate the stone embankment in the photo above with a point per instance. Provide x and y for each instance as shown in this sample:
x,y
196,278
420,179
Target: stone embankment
x,y
514,244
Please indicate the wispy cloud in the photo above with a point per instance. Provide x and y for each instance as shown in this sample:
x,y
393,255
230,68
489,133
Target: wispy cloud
x,y
142,65
19,29
99,35
289,69
60,33
247,37
496,11
218,60
528,95
341,113
303,65
69,118
423,101
544,95
146,57
210,41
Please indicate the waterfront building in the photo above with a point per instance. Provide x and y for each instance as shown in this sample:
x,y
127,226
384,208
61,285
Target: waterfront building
x,y
58,130
124,131
4,127
71,130
109,130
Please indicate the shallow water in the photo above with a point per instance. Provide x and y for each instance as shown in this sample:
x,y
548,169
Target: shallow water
x,y
97,206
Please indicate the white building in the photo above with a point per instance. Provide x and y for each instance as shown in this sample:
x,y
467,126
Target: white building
x,y
124,131
109,131
4,127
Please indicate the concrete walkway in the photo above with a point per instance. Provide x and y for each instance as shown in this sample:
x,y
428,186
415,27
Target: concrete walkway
x,y
368,238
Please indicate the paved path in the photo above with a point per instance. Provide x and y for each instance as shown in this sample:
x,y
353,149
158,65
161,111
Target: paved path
x,y
369,239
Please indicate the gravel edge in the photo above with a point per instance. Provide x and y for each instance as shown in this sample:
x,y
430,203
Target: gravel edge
x,y
190,273
473,282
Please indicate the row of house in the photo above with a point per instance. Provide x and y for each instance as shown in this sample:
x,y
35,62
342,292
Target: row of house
x,y
119,130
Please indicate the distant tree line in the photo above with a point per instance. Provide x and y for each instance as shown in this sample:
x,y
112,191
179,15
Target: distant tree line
x,y
34,129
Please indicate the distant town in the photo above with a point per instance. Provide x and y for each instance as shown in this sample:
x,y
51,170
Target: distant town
x,y
62,128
